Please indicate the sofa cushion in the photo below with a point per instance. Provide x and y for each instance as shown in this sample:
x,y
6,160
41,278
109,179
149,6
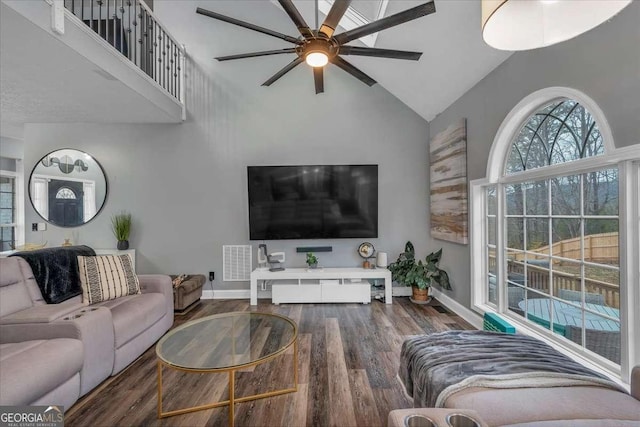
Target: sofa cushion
x,y
107,277
30,369
134,314
521,405
14,295
44,313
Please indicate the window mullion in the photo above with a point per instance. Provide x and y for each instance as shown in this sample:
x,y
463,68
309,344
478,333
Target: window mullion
x,y
500,249
550,225
583,332
629,243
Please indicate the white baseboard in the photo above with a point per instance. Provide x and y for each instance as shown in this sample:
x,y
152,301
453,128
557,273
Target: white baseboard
x,y
226,294
401,291
470,316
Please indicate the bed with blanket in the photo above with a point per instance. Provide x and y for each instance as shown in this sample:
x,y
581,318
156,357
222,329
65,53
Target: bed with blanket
x,y
454,368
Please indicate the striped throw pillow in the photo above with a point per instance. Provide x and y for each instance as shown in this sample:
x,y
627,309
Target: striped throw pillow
x,y
107,277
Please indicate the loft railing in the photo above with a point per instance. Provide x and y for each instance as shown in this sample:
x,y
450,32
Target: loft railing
x,y
132,29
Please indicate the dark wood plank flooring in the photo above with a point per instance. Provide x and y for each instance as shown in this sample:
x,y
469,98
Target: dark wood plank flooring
x,y
348,362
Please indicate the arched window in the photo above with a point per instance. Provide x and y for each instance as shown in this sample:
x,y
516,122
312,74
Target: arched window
x,y
65,193
560,131
545,249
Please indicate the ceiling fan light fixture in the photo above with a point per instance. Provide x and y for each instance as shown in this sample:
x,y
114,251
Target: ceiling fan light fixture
x,y
529,24
317,59
319,47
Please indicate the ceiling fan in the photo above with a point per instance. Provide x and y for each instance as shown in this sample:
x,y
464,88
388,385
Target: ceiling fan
x,y
319,47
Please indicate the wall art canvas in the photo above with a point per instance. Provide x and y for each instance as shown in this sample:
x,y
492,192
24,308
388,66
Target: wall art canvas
x,y
448,173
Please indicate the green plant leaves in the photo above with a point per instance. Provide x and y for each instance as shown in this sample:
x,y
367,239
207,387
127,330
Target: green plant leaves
x,y
121,226
408,272
311,258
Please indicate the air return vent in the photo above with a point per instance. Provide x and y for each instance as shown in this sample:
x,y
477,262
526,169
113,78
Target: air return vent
x,y
236,260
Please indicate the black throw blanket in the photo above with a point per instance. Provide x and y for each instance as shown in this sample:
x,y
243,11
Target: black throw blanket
x,y
56,271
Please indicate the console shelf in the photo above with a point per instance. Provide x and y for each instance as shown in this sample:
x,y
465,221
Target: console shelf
x,y
322,285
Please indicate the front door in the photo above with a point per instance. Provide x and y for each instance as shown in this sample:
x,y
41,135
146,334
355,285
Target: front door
x,y
66,203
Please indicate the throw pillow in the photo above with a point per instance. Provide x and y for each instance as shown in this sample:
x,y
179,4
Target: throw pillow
x,y
106,277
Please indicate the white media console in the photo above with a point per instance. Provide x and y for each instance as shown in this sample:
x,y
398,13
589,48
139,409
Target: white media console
x,y
295,285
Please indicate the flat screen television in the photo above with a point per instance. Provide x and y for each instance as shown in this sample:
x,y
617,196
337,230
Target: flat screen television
x,y
313,202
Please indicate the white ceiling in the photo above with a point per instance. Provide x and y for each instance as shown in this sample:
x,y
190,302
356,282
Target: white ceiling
x,y
455,57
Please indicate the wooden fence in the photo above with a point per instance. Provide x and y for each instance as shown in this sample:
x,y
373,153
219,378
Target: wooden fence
x,y
601,248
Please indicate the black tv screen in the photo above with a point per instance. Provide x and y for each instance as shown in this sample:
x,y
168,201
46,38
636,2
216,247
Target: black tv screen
x,y
313,202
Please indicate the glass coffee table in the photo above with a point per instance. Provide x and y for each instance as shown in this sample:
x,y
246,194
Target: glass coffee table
x,y
226,343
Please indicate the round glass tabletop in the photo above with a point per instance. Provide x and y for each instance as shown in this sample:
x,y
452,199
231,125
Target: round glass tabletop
x,y
228,340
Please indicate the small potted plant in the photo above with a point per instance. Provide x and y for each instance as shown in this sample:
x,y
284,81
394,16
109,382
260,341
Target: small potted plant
x,y
121,226
419,275
312,260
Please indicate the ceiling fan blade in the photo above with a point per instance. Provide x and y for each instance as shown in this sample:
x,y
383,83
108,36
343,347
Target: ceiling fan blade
x,y
254,54
243,24
318,78
388,22
355,72
290,66
333,17
297,19
380,53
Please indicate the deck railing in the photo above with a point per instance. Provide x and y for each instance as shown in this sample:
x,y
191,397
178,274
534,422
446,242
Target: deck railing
x,y
538,278
131,28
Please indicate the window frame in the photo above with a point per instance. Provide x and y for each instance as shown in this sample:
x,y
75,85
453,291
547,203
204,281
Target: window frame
x,y
625,159
18,223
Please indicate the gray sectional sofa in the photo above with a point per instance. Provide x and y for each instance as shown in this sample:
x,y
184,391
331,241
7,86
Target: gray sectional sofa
x,y
51,354
553,406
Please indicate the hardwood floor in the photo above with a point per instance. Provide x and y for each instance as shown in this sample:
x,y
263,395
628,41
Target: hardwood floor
x,y
348,361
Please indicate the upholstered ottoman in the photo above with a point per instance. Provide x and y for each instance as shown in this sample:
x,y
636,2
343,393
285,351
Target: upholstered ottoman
x,y
187,293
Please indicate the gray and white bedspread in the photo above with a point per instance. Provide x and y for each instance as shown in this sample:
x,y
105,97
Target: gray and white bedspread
x,y
433,367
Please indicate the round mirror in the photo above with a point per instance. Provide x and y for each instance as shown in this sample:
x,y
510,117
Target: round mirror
x,y
67,188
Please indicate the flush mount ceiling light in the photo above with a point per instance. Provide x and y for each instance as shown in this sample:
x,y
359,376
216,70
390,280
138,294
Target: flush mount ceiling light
x,y
530,24
317,59
321,46
316,52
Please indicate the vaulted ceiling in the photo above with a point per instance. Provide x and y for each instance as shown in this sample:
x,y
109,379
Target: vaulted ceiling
x,y
42,81
455,57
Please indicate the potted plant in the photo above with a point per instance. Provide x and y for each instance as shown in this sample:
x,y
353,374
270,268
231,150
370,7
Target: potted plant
x,y
312,260
419,275
121,225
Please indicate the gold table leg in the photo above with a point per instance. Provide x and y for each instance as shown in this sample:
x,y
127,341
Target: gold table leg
x,y
231,396
232,399
159,389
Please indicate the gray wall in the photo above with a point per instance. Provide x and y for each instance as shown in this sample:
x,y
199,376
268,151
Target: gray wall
x,y
11,148
603,63
185,184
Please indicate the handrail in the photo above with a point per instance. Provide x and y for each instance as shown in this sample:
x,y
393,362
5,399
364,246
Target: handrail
x,y
131,28
155,17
